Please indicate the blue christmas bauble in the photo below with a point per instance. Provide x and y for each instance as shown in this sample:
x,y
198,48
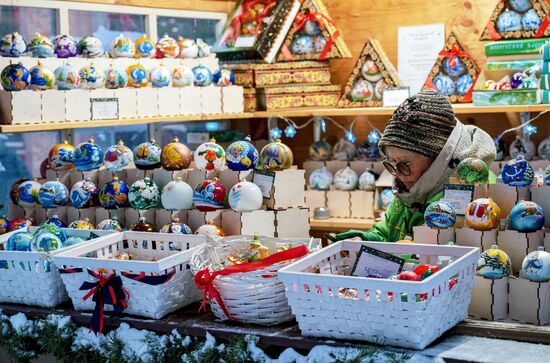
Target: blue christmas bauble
x,y
13,45
224,77
50,228
15,77
144,194
455,70
160,76
91,77
494,264
84,194
176,227
41,46
53,194
527,217
518,172
509,21
88,156
54,221
203,76
111,224
346,179
520,5
114,194
385,198
440,215
547,176
115,78
302,44
464,84
444,85
66,77
145,48
367,181
41,78
320,150
27,196
46,242
368,151
242,155
531,20
321,179
319,44
73,240
536,266
147,156
123,47
65,46
311,27
118,157
20,241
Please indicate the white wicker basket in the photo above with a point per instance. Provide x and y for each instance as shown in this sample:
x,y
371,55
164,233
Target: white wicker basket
x,y
28,277
329,304
156,254
256,297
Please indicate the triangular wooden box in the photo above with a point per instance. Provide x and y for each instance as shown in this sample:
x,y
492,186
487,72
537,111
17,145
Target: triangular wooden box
x,y
372,50
451,45
491,31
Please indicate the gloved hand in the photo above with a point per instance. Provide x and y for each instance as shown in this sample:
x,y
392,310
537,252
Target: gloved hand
x,y
352,233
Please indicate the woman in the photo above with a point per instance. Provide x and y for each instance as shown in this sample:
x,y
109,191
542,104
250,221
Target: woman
x,y
422,144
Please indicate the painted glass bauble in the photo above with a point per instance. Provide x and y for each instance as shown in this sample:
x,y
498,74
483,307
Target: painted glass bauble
x,y
370,71
453,66
46,242
19,223
66,77
210,230
502,150
536,266
345,179
320,179
123,47
188,48
54,221
320,150
53,194
15,77
444,85
224,77
53,229
276,156
509,21
483,214
20,241
91,77
40,46
114,194
183,76
14,190
143,226
88,156
4,223
176,227
494,264
368,151
520,5
82,224
144,194
386,198
379,88
472,171
242,155
544,149
546,177
526,217
44,166
13,45
209,195
367,181
344,150
440,215
65,46
204,49
311,27
245,197
117,157
362,91
167,47
42,78
137,76
319,44
73,240
464,84
302,44
91,47
145,48
111,224
531,20
177,195
209,156
27,195
60,156
525,147
518,172
160,76
147,156
175,156
203,76
84,194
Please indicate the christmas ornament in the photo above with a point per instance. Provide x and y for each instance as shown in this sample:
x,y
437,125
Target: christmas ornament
x,y
123,47
51,229
320,179
379,89
20,241
494,264
167,47
210,230
311,27
245,197
177,195
117,157
209,196
367,181
408,276
145,48
517,79
19,223
27,194
82,224
41,46
520,5
91,47
91,77
224,77
203,76
530,20
385,198
368,151
344,150
84,194
114,194
276,156
88,156
518,172
242,155
188,48
464,84
370,71
41,78
544,149
440,215
111,224
143,226
472,171
319,44
175,156
320,150
526,217
546,177
160,76
346,179
522,146
13,45
483,214
204,49
14,190
147,155
144,194
137,76
302,44
66,77
15,77
501,150
444,85
453,66
183,76
362,91
4,223
536,266
73,240
65,46
53,194
54,221
509,21
209,156
60,156
176,227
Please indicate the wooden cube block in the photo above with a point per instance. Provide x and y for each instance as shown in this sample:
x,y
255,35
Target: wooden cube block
x,y
22,107
334,165
310,166
231,177
471,238
261,222
15,211
127,103
51,63
63,176
38,214
506,197
74,214
169,101
77,105
361,204
196,218
339,203
77,176
132,216
432,236
517,245
360,166
212,63
147,102
489,299
53,106
528,302
541,196
133,175
27,62
195,176
211,100
164,217
292,223
191,62
162,177
315,199
232,99
287,188
190,101
102,214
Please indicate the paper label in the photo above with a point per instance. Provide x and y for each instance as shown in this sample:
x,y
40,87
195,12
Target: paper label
x,y
245,41
104,108
377,264
393,97
264,180
459,196
197,137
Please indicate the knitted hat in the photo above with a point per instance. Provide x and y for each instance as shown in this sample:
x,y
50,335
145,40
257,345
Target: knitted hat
x,y
421,124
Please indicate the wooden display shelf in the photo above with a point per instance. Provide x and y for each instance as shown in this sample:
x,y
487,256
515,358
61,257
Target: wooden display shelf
x,y
340,224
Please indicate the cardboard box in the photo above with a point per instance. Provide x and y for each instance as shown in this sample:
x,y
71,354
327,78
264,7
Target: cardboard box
x,y
523,96
471,238
299,96
77,105
21,107
250,100
292,223
518,245
211,100
489,299
315,199
232,99
261,222
196,218
287,190
339,203
361,204
528,302
432,236
318,74
127,103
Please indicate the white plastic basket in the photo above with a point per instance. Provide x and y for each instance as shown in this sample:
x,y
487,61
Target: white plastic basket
x,y
28,277
155,254
256,297
329,304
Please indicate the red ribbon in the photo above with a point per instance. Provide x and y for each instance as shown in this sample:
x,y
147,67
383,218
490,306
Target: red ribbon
x,y
234,29
542,28
320,19
205,280
453,54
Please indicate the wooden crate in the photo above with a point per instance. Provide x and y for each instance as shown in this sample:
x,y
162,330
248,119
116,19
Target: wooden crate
x,y
169,101
506,197
22,107
211,100
339,203
232,99
292,223
261,222
362,204
489,299
518,245
287,190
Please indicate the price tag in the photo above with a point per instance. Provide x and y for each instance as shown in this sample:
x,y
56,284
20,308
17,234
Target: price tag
x,y
104,108
245,41
459,196
264,180
375,263
392,97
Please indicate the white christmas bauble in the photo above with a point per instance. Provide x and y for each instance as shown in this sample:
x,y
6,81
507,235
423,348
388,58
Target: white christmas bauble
x,y
522,146
320,179
367,181
209,156
536,266
544,149
345,179
177,195
245,197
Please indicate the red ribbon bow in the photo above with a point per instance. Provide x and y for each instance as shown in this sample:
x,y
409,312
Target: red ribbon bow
x,y
321,20
453,54
205,280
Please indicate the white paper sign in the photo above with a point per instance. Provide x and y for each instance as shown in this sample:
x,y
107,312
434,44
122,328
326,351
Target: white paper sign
x,y
245,41
104,108
264,180
418,48
392,97
459,196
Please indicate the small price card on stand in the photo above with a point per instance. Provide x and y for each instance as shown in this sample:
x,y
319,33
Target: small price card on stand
x,y
459,195
104,108
375,263
264,180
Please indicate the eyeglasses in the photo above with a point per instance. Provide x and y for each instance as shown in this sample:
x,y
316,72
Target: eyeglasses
x,y
402,167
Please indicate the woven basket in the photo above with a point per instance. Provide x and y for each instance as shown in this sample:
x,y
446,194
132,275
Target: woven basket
x,y
156,254
328,303
256,297
28,277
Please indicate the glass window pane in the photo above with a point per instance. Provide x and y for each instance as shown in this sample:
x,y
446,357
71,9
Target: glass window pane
x,y
188,28
27,21
132,135
218,129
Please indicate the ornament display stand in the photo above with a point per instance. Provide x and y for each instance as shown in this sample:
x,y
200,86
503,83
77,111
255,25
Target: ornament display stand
x,y
292,223
166,104
315,199
362,204
132,216
489,299
432,236
334,165
162,177
196,218
63,176
102,214
288,190
529,302
19,108
310,166
339,203
518,245
74,214
360,166
541,196
211,100
472,238
258,222
506,197
163,216
60,212
77,176
194,176
232,100
229,178
190,101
